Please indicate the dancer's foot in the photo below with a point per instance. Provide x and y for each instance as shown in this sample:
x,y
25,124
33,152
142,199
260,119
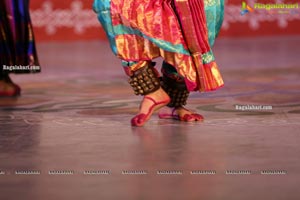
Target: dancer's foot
x,y
8,80
150,103
180,113
8,88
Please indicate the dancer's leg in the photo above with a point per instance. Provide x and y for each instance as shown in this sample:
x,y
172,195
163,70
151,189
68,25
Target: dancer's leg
x,y
7,87
144,79
175,87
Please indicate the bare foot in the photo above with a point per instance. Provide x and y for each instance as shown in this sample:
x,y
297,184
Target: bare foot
x,y
180,113
149,104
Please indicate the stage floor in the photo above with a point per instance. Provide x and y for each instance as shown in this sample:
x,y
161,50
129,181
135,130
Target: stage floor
x,y
71,127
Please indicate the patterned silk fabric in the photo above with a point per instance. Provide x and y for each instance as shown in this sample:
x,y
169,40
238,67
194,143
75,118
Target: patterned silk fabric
x,y
17,45
180,31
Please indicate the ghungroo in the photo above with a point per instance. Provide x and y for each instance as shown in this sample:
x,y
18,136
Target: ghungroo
x,y
177,91
145,80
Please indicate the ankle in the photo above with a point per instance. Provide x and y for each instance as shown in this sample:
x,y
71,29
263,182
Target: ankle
x,y
159,94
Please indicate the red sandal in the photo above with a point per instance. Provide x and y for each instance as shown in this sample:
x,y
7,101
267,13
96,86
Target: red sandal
x,y
141,119
10,90
186,118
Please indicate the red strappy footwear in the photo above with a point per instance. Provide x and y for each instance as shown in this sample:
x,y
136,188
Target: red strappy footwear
x,y
141,119
14,91
187,117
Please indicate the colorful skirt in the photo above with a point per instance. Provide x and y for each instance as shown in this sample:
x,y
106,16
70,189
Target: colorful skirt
x,y
180,31
17,46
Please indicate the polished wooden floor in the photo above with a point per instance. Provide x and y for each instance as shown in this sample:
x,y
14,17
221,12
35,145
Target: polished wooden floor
x,y
72,120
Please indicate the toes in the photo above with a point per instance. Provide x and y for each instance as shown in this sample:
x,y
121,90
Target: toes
x,y
138,120
192,118
182,114
187,118
198,117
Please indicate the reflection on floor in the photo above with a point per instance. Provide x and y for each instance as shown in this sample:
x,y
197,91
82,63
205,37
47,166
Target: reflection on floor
x,y
73,120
